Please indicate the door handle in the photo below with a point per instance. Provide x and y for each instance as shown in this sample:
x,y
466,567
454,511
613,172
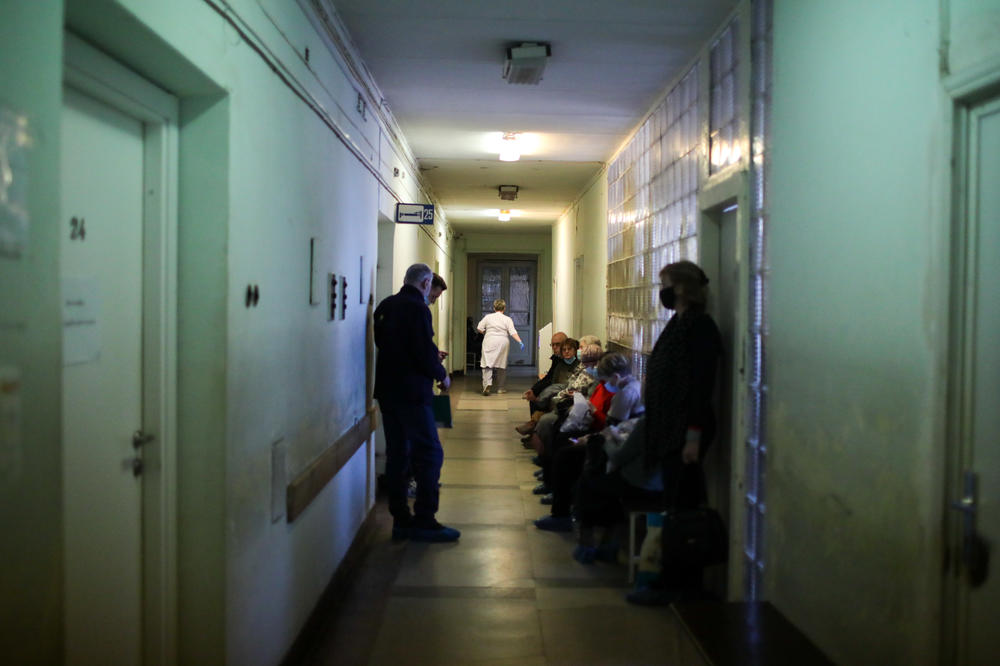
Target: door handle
x,y
139,438
975,551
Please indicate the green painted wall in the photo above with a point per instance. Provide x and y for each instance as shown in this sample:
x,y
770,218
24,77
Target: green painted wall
x,y
582,232
261,174
857,245
31,586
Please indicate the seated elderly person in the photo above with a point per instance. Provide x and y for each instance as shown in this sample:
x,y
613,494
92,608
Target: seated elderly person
x,y
569,448
614,471
582,380
557,367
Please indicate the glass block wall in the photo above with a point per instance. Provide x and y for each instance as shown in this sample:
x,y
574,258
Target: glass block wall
x,y
724,102
652,217
756,445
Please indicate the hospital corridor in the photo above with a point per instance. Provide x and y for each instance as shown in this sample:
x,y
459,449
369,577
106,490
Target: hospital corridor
x,y
455,332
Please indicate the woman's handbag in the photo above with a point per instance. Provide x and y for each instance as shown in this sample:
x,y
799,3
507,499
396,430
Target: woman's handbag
x,y
441,405
694,537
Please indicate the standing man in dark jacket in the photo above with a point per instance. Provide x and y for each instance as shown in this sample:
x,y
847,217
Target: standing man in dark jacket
x,y
405,370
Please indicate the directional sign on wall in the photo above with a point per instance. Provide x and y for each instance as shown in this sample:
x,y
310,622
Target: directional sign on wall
x,y
414,213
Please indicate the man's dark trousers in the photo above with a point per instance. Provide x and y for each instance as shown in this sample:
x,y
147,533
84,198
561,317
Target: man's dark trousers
x,y
412,447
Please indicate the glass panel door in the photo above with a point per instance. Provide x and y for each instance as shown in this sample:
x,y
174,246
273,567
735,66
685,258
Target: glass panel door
x,y
514,282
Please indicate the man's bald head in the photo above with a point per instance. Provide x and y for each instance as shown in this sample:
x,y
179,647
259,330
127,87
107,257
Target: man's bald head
x,y
557,340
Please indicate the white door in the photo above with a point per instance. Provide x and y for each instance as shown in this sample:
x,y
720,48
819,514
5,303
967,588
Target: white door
x,y
102,214
979,385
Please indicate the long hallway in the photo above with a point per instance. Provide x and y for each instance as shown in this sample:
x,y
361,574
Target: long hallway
x,y
506,593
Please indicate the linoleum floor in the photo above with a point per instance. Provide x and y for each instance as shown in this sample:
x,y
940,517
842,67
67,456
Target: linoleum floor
x,y
505,593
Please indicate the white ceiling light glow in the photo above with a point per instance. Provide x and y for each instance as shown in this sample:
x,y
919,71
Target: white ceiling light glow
x,y
510,147
504,215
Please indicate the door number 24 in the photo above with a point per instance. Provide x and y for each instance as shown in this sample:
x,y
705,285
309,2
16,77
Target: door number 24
x,y
77,229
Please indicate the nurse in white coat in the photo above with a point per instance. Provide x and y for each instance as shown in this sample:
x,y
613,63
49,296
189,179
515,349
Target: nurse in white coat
x,y
496,328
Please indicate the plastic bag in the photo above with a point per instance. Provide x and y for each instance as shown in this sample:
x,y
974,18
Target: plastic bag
x,y
580,415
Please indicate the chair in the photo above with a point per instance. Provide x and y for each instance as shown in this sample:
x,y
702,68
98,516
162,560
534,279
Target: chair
x,y
634,508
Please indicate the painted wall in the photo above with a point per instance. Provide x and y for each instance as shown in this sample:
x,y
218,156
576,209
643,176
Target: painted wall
x,y
261,174
857,244
972,34
582,231
30,354
563,274
467,243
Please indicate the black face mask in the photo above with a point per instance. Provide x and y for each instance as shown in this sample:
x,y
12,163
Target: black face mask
x,y
668,298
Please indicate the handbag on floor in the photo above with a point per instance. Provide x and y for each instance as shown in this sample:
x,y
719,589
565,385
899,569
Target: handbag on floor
x,y
693,536
441,405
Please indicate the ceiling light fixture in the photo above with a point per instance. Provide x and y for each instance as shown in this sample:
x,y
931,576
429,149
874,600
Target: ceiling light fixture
x,y
525,62
508,192
504,215
510,147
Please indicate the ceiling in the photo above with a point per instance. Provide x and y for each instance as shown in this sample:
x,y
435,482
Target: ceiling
x,y
439,65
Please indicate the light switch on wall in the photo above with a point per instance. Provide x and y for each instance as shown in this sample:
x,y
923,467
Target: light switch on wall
x,y
343,297
332,285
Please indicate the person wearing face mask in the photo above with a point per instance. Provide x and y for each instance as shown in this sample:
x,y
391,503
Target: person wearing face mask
x,y
496,328
582,379
616,399
680,422
406,367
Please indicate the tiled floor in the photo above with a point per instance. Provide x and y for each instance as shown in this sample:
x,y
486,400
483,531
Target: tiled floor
x,y
506,593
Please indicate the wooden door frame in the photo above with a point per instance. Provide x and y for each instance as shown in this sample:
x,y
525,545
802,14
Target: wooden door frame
x,y
88,70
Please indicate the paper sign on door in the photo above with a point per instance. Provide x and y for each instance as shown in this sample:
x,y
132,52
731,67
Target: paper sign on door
x,y
81,321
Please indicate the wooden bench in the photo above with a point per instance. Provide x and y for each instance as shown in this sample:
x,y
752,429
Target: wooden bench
x,y
634,509
743,633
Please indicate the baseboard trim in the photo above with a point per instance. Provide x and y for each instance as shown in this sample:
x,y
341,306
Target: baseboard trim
x,y
328,602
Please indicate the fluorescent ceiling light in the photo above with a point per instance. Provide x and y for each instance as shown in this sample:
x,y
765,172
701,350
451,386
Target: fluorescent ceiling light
x,y
504,215
510,147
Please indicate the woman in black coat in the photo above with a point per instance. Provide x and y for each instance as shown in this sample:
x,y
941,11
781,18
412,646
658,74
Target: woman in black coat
x,y
680,421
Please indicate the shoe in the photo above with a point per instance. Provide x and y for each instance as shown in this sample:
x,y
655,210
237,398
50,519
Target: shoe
x,y
555,523
539,473
486,391
584,554
526,428
547,500
652,596
499,391
535,460
432,531
540,489
401,528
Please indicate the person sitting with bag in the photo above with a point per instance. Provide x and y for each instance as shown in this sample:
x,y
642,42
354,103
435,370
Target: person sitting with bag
x,y
613,471
569,446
